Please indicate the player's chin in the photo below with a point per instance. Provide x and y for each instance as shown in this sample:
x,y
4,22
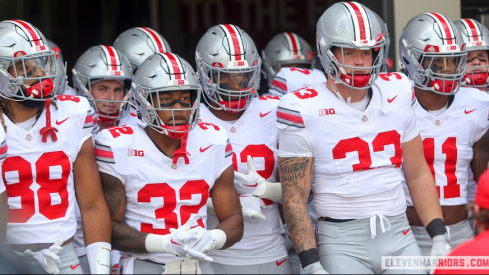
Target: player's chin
x,y
32,104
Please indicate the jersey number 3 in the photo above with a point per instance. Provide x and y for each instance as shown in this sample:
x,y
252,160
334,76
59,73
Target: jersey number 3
x,y
169,212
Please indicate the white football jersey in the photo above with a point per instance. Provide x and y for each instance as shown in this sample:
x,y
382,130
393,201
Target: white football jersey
x,y
160,195
255,134
39,175
448,139
357,156
130,119
78,241
3,155
290,79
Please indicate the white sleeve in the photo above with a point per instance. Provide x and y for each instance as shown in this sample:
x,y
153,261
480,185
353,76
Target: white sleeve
x,y
411,130
292,145
227,160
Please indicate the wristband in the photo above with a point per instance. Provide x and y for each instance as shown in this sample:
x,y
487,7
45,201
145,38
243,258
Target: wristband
x,y
436,227
308,257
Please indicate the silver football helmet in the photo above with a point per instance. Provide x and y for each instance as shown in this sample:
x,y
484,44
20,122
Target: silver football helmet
x,y
31,65
228,64
350,25
476,38
139,43
432,53
62,78
286,48
160,73
103,63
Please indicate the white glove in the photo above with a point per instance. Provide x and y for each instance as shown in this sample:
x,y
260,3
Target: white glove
x,y
48,257
205,240
440,247
251,183
251,207
315,268
174,242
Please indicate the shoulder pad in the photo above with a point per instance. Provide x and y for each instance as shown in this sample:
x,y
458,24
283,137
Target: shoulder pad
x,y
214,133
289,117
270,101
394,88
72,104
474,93
117,136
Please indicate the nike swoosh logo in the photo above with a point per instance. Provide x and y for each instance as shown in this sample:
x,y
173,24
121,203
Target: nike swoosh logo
x,y
173,242
279,263
391,99
60,122
262,115
73,267
406,231
468,112
254,185
202,150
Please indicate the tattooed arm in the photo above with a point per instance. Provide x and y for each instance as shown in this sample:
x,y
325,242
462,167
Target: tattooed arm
x,y
124,237
296,177
481,156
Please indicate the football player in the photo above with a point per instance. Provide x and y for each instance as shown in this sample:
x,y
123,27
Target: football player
x,y
476,38
229,66
286,50
452,120
157,178
139,43
51,156
3,154
349,140
104,75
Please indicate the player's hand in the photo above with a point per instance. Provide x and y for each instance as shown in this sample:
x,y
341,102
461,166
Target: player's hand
x,y
48,257
440,247
315,268
251,183
204,241
252,206
180,237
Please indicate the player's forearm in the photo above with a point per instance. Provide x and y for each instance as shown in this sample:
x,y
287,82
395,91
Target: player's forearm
x,y
126,238
299,224
296,176
233,227
96,222
425,198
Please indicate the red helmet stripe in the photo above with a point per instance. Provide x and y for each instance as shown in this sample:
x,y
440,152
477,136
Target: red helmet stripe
x,y
294,42
155,38
447,29
175,65
29,29
361,22
234,42
473,29
112,55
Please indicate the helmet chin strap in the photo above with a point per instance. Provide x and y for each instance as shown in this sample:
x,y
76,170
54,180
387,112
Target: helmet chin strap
x,y
348,100
477,79
443,86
